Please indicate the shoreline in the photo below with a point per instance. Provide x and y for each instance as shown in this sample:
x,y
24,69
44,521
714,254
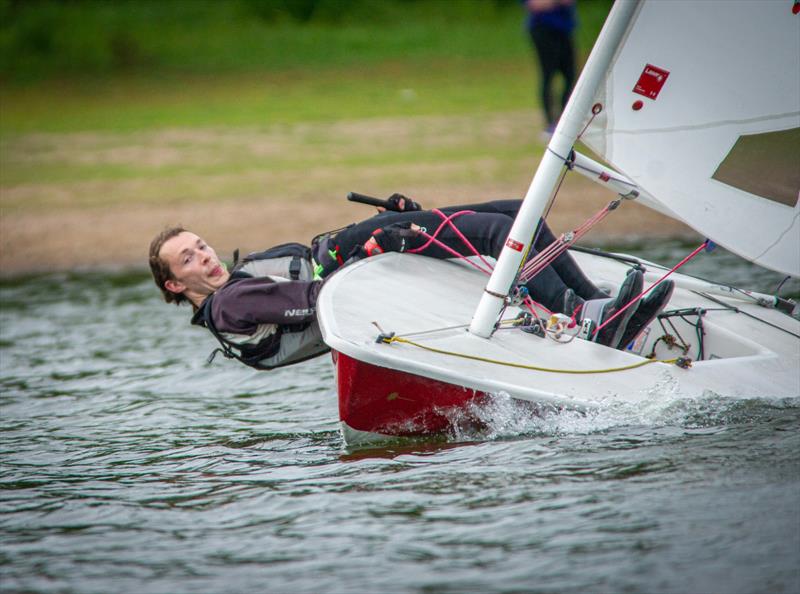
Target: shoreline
x,y
117,237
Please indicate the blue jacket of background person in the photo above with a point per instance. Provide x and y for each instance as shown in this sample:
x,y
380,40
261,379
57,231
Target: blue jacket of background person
x,y
561,17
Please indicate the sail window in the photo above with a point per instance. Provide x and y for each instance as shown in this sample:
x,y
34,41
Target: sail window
x,y
767,165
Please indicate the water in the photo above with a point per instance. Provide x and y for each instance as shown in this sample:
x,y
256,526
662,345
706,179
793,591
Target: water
x,y
127,465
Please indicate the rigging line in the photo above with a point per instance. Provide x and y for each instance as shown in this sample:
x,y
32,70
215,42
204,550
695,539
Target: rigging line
x,y
555,193
548,209
531,246
452,252
739,311
542,261
696,251
455,326
596,109
524,262
555,248
570,164
532,305
637,262
561,245
539,264
440,227
543,258
392,339
449,221
684,345
563,158
783,282
431,330
731,288
700,333
462,237
618,257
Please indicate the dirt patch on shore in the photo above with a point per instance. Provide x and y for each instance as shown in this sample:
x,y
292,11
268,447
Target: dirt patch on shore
x,y
114,237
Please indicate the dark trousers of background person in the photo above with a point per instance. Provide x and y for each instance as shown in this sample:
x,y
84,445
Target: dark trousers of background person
x,y
556,54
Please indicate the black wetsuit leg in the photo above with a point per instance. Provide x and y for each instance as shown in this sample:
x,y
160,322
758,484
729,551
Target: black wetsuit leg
x,y
544,41
556,54
486,231
565,265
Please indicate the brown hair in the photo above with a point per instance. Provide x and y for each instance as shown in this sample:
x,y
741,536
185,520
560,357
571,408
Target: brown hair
x,y
160,269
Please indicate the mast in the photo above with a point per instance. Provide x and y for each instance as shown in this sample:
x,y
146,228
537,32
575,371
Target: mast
x,y
549,169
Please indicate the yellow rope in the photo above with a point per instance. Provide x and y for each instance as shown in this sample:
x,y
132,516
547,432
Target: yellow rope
x,y
391,339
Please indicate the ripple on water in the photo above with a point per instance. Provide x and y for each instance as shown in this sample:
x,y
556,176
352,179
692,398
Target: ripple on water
x,y
127,464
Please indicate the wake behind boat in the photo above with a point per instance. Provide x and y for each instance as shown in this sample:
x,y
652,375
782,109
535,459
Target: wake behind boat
x,y
698,119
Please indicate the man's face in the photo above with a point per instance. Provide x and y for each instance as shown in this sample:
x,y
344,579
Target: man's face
x,y
195,266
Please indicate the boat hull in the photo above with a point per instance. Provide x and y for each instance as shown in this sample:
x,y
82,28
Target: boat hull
x,y
388,402
430,381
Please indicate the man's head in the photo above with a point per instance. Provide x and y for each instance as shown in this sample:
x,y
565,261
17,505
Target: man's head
x,y
184,267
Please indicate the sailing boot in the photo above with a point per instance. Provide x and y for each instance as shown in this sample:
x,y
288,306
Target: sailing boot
x,y
600,310
649,307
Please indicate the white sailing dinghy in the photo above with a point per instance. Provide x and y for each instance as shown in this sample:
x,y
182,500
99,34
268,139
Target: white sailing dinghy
x,y
696,107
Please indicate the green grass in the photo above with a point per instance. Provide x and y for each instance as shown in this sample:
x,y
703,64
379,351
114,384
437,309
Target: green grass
x,y
201,63
90,89
198,164
127,104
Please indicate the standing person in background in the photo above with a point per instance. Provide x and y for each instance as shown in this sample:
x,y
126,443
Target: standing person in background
x,y
550,24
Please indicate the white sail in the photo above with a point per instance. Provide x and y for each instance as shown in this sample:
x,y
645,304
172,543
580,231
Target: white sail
x,y
701,108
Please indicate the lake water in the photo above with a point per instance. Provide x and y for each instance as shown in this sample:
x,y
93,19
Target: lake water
x,y
128,465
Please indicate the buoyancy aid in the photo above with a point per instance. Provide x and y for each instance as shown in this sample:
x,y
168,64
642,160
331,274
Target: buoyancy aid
x,y
326,254
271,345
290,261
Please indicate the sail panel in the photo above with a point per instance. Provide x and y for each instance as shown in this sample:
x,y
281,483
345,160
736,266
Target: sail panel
x,y
697,96
765,165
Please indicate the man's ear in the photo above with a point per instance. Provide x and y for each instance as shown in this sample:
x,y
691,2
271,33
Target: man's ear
x,y
174,286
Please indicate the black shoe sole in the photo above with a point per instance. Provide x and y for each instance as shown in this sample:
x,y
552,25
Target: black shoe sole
x,y
630,288
649,308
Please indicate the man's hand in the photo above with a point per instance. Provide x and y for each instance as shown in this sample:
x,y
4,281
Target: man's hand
x,y
391,238
399,203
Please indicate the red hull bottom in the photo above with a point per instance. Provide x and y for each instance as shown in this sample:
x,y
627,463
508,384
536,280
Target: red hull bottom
x,y
393,403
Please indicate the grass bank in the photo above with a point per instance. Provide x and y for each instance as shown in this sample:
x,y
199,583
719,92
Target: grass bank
x,y
124,66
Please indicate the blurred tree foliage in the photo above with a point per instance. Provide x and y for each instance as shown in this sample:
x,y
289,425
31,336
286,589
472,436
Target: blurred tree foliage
x,y
55,38
333,11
